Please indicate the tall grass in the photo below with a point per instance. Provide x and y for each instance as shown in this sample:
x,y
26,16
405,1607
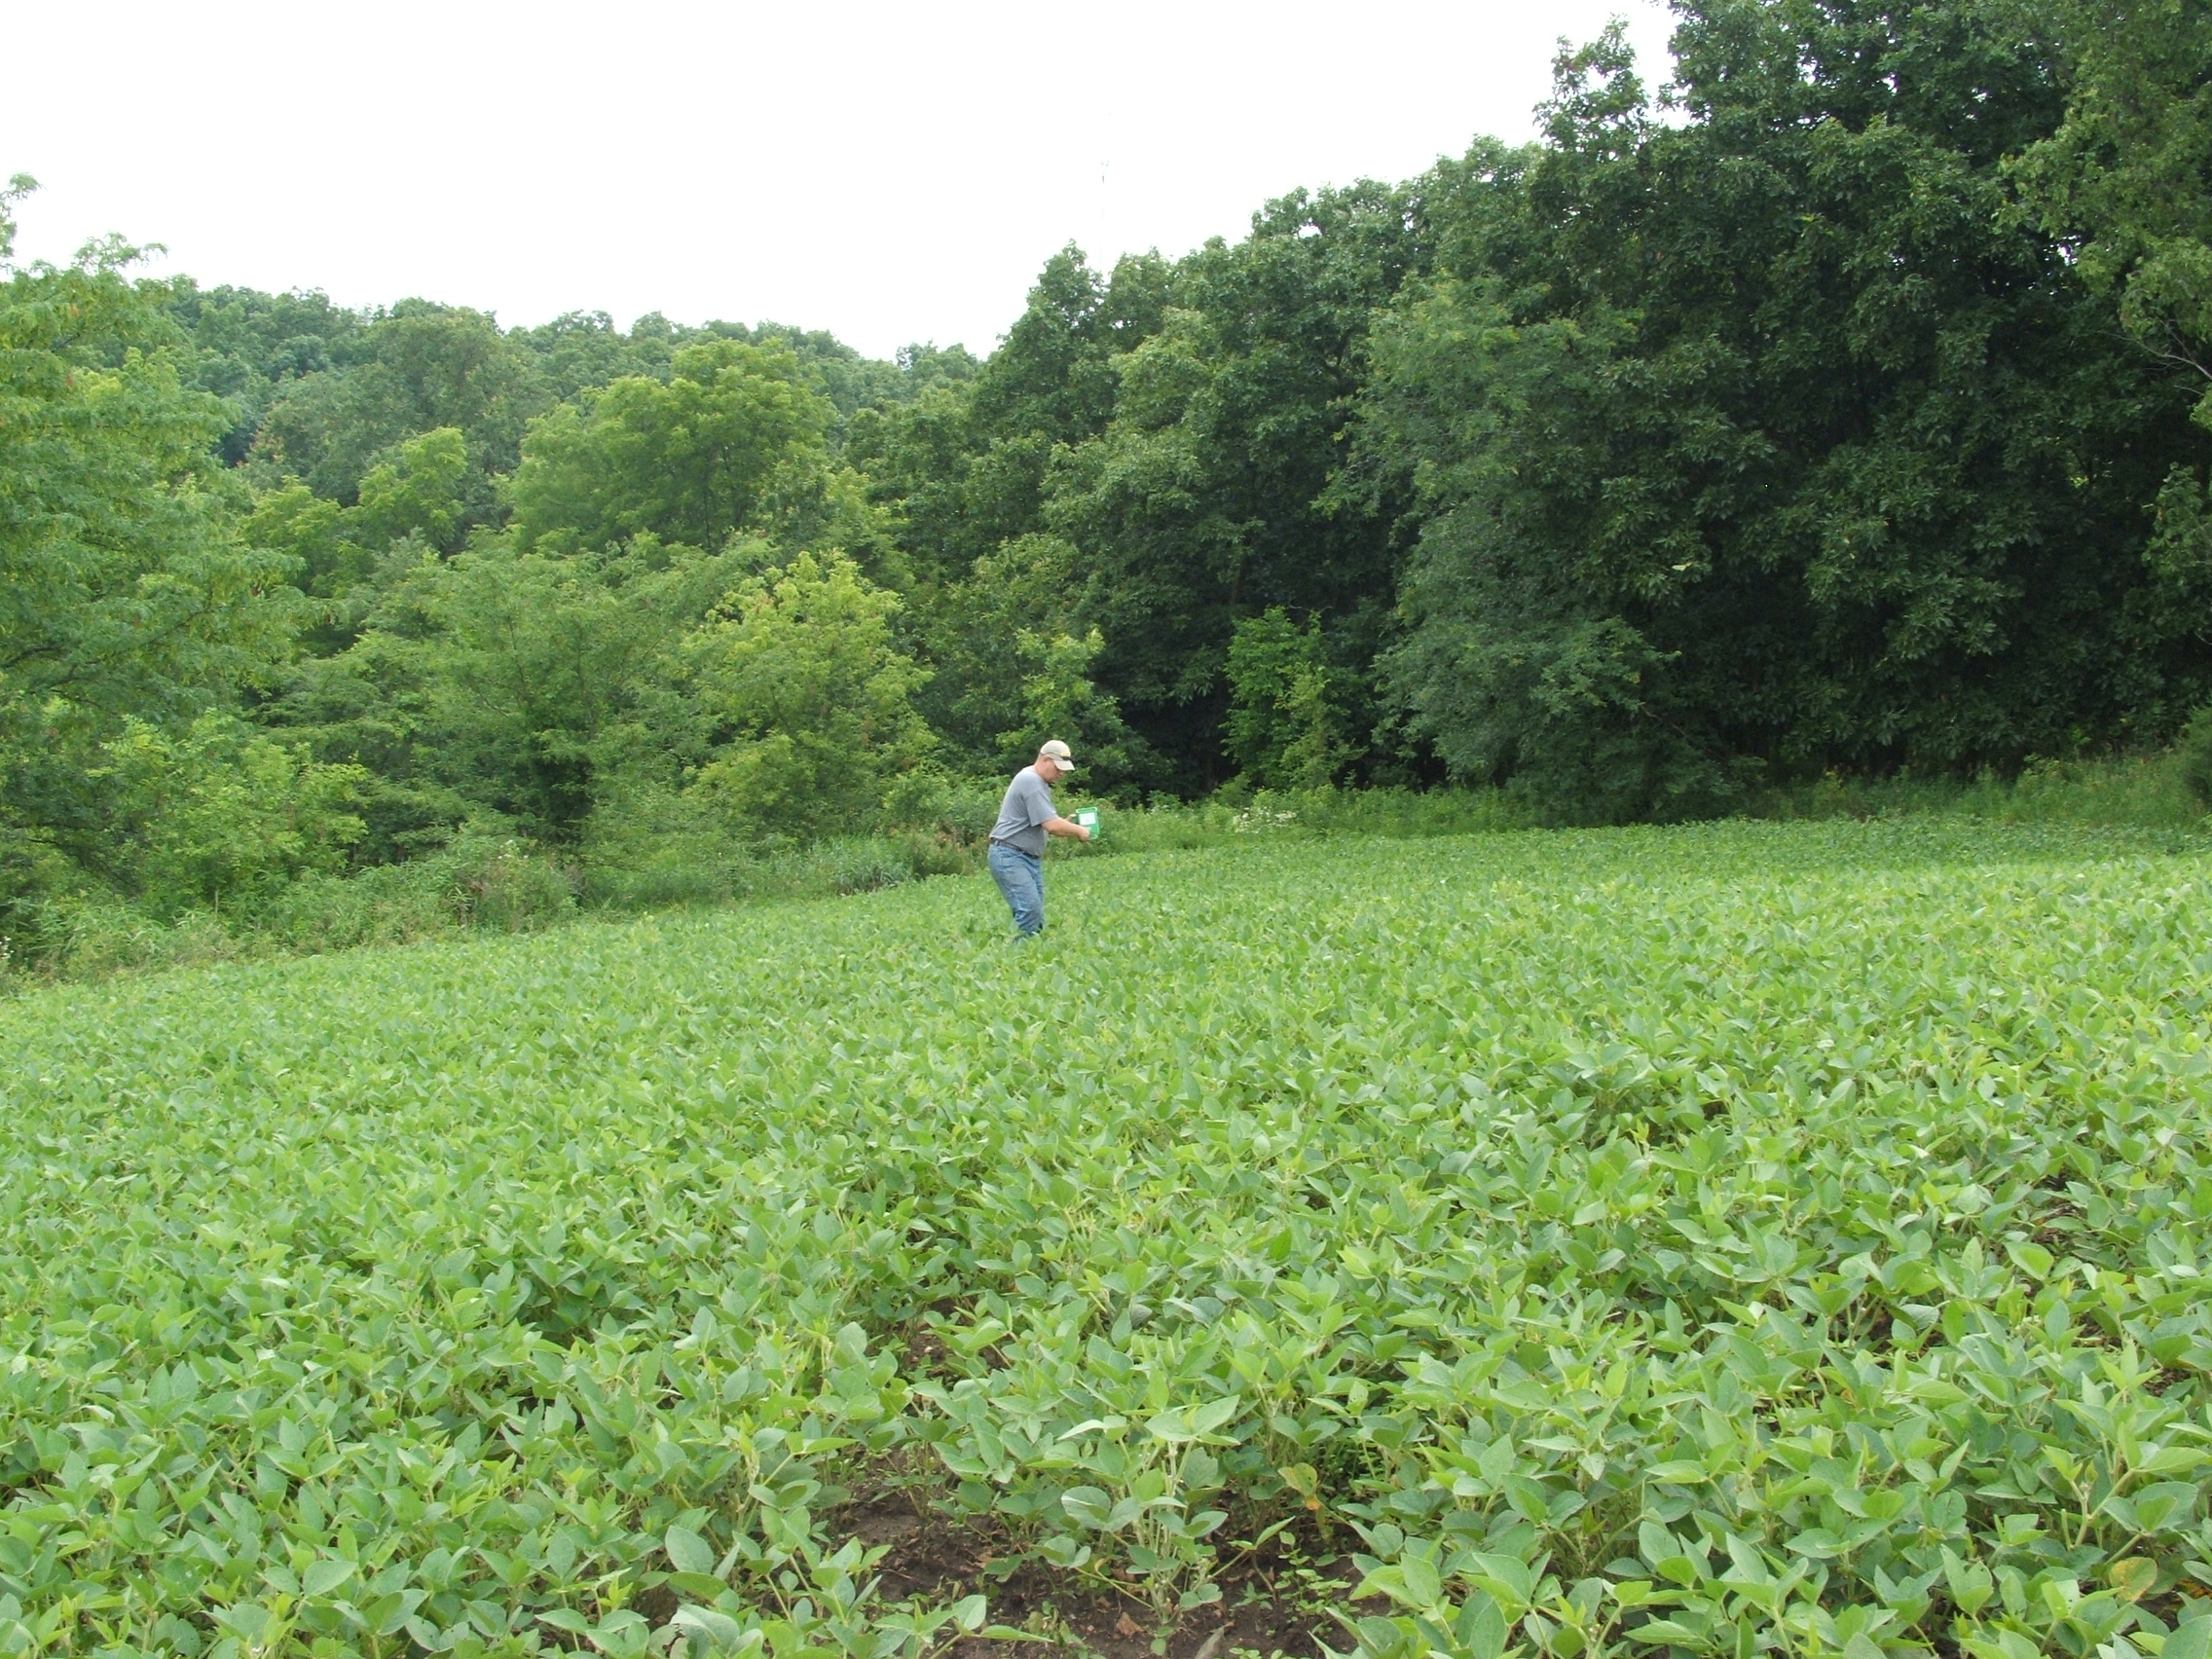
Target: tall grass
x,y
660,859
1385,812
477,882
2147,792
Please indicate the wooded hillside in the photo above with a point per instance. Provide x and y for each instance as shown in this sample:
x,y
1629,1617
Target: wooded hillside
x,y
1834,402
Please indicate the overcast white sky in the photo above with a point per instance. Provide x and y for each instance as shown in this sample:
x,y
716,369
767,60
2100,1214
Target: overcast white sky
x,y
893,173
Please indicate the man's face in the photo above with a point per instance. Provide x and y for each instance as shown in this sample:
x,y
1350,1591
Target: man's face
x,y
1050,768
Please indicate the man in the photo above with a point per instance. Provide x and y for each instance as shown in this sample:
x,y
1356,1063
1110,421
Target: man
x,y
1017,839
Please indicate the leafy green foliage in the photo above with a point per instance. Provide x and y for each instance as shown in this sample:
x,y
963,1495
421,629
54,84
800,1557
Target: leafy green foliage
x,y
1770,440
1175,429
971,634
2195,757
1207,499
584,350
247,346
125,590
2123,183
692,459
516,683
411,370
1060,699
2123,179
1281,733
412,502
805,697
221,813
1729,1239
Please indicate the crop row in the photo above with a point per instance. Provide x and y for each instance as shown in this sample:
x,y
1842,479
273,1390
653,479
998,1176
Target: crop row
x,y
1738,1239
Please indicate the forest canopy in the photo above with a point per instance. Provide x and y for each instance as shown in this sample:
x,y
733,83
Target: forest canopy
x,y
1834,400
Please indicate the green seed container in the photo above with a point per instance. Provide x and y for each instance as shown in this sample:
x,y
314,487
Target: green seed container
x,y
1088,819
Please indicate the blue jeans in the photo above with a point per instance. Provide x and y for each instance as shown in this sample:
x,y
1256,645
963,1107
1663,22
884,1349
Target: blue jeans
x,y
1020,877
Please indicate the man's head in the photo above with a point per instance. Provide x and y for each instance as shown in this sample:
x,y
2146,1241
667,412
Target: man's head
x,y
1054,761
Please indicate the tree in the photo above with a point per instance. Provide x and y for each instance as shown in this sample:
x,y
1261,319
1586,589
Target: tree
x,y
515,685
1281,732
582,350
411,370
1772,439
419,492
1207,498
1177,427
2125,183
2126,179
126,591
247,345
968,631
962,465
1060,699
220,813
691,459
805,699
415,500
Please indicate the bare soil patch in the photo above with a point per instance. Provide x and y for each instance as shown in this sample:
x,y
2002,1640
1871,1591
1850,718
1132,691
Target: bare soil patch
x,y
1275,1602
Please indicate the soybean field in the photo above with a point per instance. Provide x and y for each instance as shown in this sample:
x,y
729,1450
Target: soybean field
x,y
1733,1239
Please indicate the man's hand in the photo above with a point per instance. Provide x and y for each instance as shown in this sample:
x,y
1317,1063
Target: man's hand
x,y
1066,827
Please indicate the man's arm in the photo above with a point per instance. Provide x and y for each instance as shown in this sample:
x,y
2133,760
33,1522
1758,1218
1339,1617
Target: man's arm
x,y
1066,827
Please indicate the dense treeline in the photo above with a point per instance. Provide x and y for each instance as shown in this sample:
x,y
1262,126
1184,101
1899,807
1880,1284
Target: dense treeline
x,y
1841,407
1784,438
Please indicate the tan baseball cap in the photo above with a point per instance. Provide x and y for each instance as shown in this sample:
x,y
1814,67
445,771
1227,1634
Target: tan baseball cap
x,y
1056,752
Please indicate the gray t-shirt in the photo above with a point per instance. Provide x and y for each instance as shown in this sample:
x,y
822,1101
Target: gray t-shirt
x,y
1021,817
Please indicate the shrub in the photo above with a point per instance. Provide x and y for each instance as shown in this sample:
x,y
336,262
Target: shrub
x,y
2194,755
2150,791
222,813
89,936
863,866
1280,726
954,808
804,668
936,852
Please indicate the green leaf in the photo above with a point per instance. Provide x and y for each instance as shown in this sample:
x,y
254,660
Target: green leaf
x,y
1087,1506
1419,1576
1173,1427
2031,1259
1214,1413
688,1553
2189,1639
718,1631
1480,1627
